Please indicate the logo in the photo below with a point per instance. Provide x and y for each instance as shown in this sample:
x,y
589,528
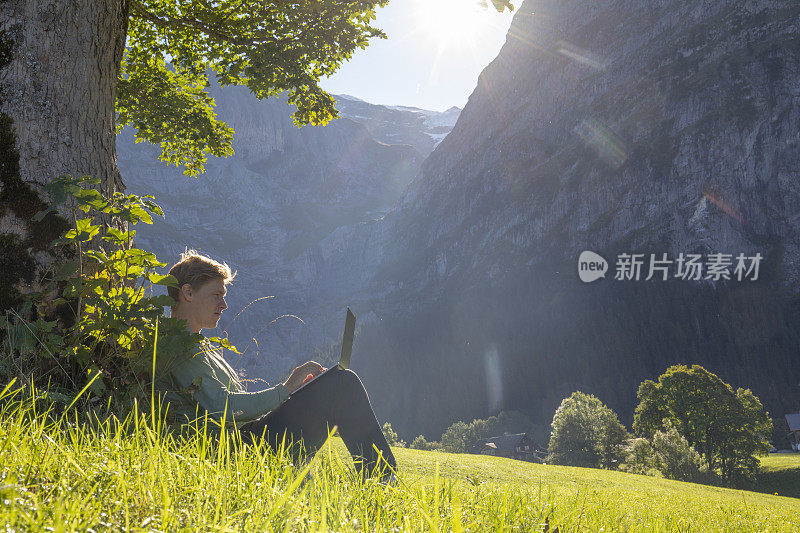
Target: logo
x,y
591,266
714,267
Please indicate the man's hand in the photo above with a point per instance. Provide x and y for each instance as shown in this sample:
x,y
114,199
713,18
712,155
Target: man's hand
x,y
301,373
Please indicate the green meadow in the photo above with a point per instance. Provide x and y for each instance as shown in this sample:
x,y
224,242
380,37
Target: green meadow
x,y
780,473
60,475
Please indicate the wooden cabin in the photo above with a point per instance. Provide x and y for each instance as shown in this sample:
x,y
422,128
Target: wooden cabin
x,y
514,446
793,421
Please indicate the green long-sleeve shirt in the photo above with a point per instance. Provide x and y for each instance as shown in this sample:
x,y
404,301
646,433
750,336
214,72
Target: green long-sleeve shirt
x,y
206,380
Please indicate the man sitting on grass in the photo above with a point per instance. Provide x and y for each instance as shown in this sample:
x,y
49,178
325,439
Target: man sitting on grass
x,y
203,378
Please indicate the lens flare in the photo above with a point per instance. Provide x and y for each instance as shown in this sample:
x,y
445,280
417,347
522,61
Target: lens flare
x,y
602,140
585,57
719,202
494,381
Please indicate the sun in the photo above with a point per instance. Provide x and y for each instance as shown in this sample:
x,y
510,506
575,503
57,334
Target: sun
x,y
451,22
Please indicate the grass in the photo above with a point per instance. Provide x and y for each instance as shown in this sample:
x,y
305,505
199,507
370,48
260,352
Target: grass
x,y
59,475
780,474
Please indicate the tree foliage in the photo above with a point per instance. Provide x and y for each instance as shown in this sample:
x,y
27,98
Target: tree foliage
x,y
668,453
459,437
391,436
728,428
421,443
270,47
586,433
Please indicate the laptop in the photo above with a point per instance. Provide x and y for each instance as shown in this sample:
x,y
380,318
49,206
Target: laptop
x,y
347,349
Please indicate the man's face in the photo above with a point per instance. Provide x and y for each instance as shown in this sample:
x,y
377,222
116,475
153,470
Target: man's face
x,y
206,304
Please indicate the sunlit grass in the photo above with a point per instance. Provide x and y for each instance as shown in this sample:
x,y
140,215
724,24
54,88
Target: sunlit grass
x,y
130,476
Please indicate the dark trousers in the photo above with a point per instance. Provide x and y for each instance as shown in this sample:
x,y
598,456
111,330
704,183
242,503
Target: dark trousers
x,y
302,422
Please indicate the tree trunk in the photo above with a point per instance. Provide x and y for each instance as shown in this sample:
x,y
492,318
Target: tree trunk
x,y
59,62
60,86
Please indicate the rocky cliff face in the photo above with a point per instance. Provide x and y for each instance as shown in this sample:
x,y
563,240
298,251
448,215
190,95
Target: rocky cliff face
x,y
284,190
625,121
614,126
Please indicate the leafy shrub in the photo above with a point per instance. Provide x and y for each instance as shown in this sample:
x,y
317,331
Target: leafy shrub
x,y
108,349
391,436
639,458
586,433
668,454
421,443
674,458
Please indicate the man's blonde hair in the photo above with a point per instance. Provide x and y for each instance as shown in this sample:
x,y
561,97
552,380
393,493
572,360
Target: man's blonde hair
x,y
196,269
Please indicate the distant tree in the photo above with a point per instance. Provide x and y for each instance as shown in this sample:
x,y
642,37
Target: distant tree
x,y
668,454
391,436
639,457
458,438
586,433
462,437
421,443
675,458
728,428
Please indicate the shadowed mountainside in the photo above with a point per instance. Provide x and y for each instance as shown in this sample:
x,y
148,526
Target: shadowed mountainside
x,y
613,126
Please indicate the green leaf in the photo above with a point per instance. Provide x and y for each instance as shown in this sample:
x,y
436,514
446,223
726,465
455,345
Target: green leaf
x,y
67,270
60,188
55,341
119,237
224,343
125,341
97,255
163,300
90,197
46,326
38,217
141,214
132,271
154,207
167,280
84,230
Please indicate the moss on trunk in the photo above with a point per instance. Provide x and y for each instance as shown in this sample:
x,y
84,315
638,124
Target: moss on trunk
x,y
21,238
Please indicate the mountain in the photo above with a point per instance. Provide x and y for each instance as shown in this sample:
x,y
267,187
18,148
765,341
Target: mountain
x,y
618,127
399,124
652,127
284,190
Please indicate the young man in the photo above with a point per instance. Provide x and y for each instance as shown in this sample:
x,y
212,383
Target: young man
x,y
205,379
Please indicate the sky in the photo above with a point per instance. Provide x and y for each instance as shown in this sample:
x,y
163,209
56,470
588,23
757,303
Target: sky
x,y
432,57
